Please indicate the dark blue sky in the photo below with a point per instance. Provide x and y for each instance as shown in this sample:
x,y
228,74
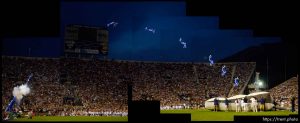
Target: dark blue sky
x,y
130,41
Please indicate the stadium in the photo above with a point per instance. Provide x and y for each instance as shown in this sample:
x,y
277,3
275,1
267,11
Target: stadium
x,y
156,61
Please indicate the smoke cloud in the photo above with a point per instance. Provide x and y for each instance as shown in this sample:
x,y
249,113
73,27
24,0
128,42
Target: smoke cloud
x,y
21,91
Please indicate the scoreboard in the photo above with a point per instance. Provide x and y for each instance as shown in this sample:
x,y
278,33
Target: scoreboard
x,y
85,41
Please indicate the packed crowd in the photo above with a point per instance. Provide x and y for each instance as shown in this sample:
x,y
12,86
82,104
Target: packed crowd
x,y
212,74
171,83
48,94
243,72
101,86
283,93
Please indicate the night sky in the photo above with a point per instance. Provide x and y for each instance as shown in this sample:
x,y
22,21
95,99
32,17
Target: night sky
x,y
130,41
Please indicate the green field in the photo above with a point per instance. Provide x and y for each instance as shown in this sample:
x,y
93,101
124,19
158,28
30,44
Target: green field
x,y
197,115
206,115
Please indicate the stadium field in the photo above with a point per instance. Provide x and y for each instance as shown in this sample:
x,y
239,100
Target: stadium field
x,y
207,115
197,115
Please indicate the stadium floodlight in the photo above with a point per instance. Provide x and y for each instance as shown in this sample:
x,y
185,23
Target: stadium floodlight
x,y
260,83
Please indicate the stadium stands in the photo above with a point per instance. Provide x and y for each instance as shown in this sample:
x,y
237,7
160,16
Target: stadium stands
x,y
283,92
101,86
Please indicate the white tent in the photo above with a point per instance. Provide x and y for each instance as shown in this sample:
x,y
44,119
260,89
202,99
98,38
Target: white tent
x,y
258,93
236,97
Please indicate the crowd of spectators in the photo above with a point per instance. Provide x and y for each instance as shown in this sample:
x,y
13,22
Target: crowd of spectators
x,y
215,84
101,85
283,93
244,72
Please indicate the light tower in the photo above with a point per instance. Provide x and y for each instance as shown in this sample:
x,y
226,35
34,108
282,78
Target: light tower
x,y
258,83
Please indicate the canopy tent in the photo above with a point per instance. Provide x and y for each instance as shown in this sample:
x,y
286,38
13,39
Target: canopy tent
x,y
237,97
258,93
